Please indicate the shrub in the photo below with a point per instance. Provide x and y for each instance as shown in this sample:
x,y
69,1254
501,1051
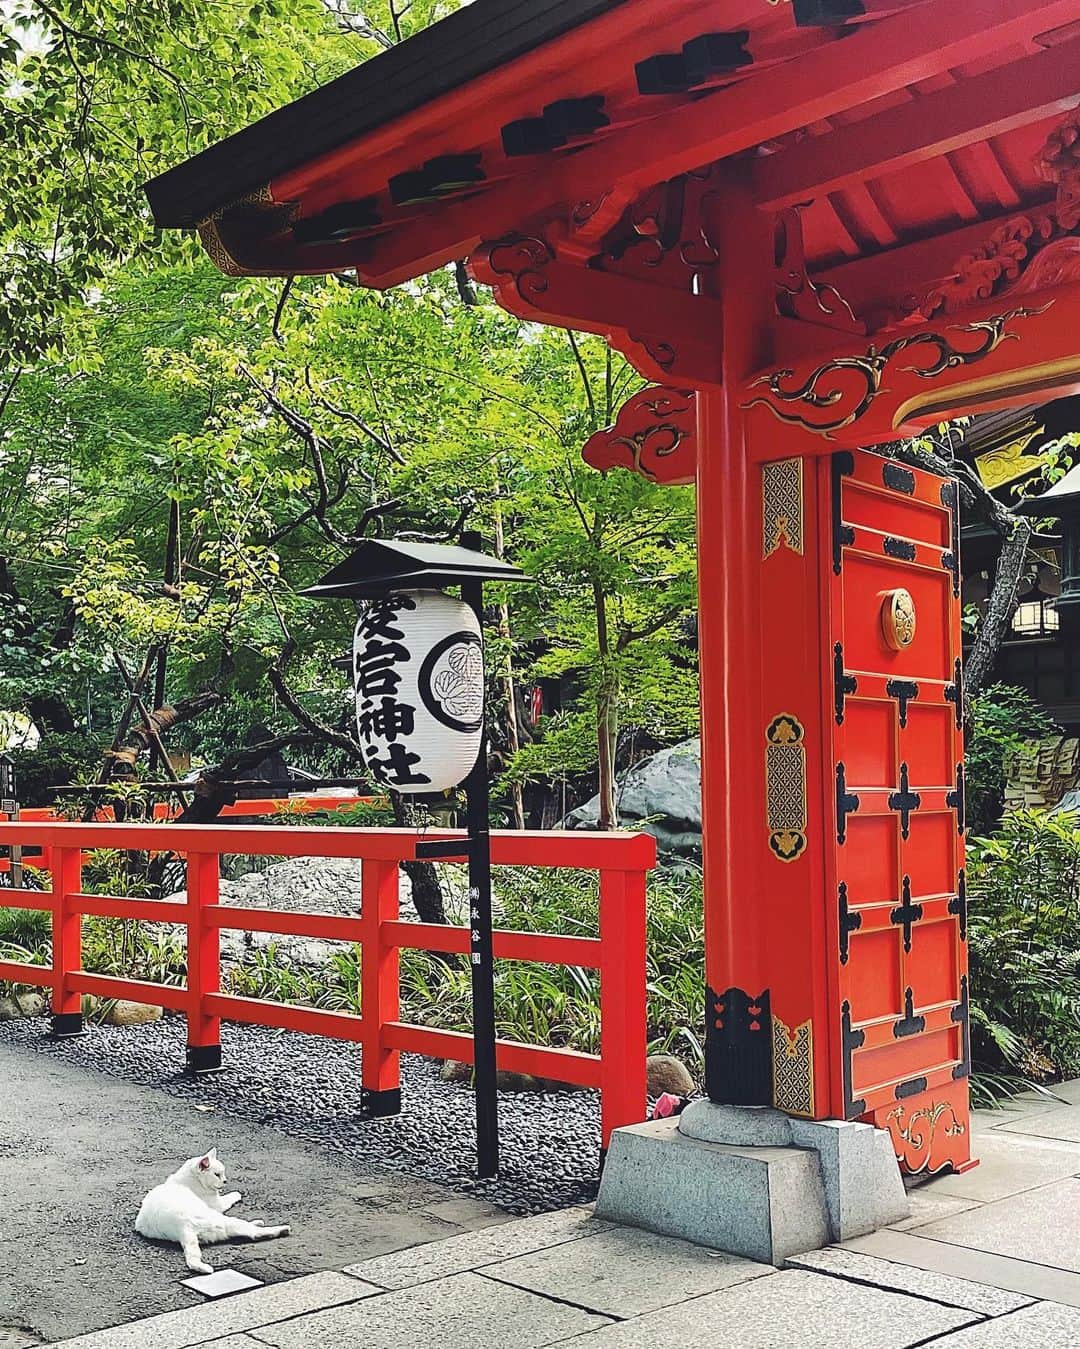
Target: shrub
x,y
1024,947
1002,722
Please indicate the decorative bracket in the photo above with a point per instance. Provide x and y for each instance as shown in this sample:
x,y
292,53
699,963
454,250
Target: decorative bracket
x,y
849,923
655,435
847,803
905,801
958,903
956,800
954,692
904,691
909,1023
797,296
907,914
843,536
961,1016
850,1041
844,684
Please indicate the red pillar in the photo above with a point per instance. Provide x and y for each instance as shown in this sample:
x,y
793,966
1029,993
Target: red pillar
x,y
738,1063
204,963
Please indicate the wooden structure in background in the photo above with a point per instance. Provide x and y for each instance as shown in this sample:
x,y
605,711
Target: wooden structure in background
x,y
833,222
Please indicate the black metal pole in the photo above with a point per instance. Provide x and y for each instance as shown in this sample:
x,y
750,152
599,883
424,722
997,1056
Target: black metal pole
x,y
480,951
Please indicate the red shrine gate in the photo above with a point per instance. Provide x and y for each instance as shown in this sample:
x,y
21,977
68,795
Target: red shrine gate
x,y
816,228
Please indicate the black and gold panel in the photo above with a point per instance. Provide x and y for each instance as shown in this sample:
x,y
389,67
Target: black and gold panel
x,y
793,1068
785,787
782,506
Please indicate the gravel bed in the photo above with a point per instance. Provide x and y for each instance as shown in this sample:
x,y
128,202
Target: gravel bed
x,y
309,1088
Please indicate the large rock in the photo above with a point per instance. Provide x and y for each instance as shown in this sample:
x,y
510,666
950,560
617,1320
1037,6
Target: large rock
x,y
663,796
664,1072
21,1003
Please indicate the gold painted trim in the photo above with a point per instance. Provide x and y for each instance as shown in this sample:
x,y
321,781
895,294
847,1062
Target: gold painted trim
x,y
782,506
785,787
793,1068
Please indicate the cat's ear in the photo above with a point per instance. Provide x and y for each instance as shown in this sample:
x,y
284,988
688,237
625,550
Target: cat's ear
x,y
212,1154
204,1162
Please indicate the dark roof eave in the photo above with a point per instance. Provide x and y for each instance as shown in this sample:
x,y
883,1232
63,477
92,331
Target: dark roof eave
x,y
465,45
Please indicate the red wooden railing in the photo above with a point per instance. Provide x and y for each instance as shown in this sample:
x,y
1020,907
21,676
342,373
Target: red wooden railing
x,y
618,951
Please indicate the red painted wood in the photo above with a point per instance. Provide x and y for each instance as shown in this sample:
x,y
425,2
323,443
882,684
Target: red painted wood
x,y
534,848
623,1039
326,926
380,1070
25,899
204,949
65,866
136,990
563,1065
286,1016
729,546
619,952
876,864
141,910
972,111
537,946
17,973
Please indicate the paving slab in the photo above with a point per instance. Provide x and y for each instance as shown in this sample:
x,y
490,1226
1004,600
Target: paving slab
x,y
784,1310
927,1205
464,1311
1058,1121
625,1272
1038,1226
1044,1325
214,1320
71,1188
1017,1276
1008,1165
472,1250
878,1273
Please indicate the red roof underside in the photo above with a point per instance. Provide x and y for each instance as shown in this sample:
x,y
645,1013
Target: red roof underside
x,y
1016,55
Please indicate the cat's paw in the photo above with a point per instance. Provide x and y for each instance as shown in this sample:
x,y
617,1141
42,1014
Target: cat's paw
x,y
229,1201
200,1267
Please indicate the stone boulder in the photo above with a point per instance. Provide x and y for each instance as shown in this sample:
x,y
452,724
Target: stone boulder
x,y
662,795
664,1072
21,1003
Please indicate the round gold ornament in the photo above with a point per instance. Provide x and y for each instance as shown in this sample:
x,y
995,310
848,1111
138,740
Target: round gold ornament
x,y
898,620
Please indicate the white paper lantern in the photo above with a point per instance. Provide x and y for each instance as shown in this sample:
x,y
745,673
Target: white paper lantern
x,y
418,667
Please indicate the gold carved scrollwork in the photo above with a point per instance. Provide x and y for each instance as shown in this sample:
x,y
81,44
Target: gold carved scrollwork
x,y
781,506
843,389
785,787
793,1068
915,1136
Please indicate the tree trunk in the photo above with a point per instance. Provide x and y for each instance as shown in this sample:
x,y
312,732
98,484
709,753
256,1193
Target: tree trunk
x,y
605,715
1000,607
513,737
424,879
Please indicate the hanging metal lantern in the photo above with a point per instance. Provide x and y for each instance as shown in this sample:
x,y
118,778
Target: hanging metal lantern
x,y
418,669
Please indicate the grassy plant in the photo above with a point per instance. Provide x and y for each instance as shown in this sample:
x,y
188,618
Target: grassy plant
x,y
1024,947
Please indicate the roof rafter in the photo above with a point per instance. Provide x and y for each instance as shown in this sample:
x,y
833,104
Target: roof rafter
x,y
971,111
877,58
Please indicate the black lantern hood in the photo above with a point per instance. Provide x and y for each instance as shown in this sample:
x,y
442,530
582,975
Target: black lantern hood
x,y
384,566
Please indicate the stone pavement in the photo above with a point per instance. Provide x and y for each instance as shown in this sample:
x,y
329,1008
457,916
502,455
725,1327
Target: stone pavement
x,y
988,1260
78,1150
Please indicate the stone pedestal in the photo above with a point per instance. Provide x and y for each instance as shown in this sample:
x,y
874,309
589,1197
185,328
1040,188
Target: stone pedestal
x,y
752,1181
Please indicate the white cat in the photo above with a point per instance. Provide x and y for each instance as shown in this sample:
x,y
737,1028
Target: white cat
x,y
190,1208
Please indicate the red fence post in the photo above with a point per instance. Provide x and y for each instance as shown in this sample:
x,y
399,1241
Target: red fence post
x,y
204,963
65,865
623,1035
380,1073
